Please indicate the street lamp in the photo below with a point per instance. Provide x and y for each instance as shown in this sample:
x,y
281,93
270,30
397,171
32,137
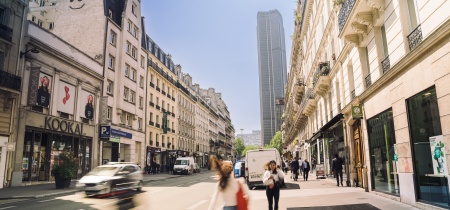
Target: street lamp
x,y
33,50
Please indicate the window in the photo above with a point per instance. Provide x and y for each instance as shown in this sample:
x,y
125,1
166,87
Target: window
x,y
413,18
133,74
141,101
125,94
157,101
40,23
109,113
109,87
111,62
157,82
128,48
385,45
141,81
162,104
121,118
133,52
112,38
151,78
133,9
142,61
127,70
129,26
135,31
151,116
151,97
128,116
132,96
33,18
139,123
51,26
157,119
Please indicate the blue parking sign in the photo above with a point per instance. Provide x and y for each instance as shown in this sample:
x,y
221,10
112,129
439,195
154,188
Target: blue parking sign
x,y
105,131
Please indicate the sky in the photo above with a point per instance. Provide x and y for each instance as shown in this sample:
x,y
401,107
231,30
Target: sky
x,y
216,43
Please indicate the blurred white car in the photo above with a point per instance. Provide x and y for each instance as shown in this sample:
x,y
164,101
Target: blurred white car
x,y
112,177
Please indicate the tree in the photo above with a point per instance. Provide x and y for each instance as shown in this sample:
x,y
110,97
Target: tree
x,y
250,147
239,145
276,142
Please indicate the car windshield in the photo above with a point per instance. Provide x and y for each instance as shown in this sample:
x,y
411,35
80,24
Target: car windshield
x,y
103,171
181,162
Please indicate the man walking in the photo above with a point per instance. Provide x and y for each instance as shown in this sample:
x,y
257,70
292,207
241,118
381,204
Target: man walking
x,y
337,168
295,168
300,163
306,167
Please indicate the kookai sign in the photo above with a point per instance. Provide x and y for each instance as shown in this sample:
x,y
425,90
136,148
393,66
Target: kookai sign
x,y
65,126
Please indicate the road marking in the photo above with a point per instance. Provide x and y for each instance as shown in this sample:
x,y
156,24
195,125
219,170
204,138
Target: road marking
x,y
197,204
47,200
8,207
179,185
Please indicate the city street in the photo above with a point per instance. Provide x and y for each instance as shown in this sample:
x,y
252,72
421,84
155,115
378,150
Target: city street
x,y
194,192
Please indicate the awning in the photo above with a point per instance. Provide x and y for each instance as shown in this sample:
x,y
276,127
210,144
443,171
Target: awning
x,y
333,121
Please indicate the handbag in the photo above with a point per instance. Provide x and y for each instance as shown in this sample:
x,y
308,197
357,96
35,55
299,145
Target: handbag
x,y
241,201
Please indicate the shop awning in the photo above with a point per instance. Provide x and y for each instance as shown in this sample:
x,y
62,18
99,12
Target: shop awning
x,y
333,121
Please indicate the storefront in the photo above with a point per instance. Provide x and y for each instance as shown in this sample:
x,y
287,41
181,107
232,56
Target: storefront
x,y
46,137
206,155
116,145
383,161
430,166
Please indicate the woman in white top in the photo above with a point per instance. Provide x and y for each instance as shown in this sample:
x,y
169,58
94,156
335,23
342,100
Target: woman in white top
x,y
272,179
227,185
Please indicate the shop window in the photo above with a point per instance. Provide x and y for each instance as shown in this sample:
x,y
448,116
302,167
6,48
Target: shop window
x,y
425,130
382,150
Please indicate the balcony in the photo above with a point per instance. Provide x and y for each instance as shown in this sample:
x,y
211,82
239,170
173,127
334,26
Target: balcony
x,y
173,114
173,130
158,89
344,13
168,95
151,123
321,79
151,142
415,38
163,110
299,90
152,104
10,81
158,107
6,32
368,81
386,65
158,125
173,99
353,94
309,102
152,85
163,144
163,92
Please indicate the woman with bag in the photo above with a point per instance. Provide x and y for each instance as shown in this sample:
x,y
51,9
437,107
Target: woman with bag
x,y
234,192
272,179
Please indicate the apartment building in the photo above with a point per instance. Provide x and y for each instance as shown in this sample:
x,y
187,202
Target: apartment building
x,y
113,38
369,81
253,138
201,128
12,19
162,139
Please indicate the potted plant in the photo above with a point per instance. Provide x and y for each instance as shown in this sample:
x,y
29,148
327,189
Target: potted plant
x,y
64,170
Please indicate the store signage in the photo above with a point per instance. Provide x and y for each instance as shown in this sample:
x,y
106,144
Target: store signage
x,y
121,133
61,125
33,85
104,110
357,112
114,139
437,155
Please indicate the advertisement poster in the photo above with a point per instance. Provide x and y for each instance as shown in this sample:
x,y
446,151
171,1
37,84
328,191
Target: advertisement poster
x,y
66,98
437,155
87,104
44,90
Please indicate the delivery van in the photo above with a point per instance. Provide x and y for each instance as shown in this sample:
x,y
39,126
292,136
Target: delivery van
x,y
255,161
184,165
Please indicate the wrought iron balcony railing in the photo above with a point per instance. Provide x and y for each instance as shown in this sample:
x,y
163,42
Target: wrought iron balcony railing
x,y
158,125
152,85
415,38
158,89
158,107
368,81
10,81
151,123
163,92
323,69
386,65
157,143
6,32
353,93
345,11
152,104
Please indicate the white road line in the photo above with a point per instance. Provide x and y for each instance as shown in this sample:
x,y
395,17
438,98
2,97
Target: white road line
x,y
179,185
47,200
197,204
8,207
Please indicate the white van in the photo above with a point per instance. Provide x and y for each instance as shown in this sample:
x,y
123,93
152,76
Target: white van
x,y
254,164
184,165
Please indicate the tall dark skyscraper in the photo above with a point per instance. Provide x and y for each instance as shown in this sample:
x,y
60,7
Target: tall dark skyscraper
x,y
272,71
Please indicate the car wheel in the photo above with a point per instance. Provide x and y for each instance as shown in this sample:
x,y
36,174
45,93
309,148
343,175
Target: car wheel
x,y
140,184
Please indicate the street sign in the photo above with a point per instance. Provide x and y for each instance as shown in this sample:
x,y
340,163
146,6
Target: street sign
x,y
121,133
357,112
105,131
114,139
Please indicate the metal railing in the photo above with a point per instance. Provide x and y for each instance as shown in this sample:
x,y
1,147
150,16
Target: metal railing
x,y
353,93
10,81
368,81
323,69
415,38
345,11
386,65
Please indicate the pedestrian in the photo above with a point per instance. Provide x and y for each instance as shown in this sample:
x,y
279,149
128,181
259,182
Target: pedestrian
x,y
227,186
306,168
171,168
337,168
272,179
300,163
295,168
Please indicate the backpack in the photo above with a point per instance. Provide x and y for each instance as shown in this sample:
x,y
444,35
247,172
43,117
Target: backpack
x,y
242,203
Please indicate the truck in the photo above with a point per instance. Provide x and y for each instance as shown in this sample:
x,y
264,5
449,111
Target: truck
x,y
255,160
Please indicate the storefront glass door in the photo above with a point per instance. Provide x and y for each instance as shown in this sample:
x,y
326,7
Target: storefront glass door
x,y
429,168
31,156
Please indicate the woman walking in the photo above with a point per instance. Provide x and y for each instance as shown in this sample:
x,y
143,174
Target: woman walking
x,y
272,179
227,185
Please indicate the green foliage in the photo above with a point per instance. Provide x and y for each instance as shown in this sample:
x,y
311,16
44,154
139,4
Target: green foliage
x,y
338,2
66,167
247,148
239,145
276,142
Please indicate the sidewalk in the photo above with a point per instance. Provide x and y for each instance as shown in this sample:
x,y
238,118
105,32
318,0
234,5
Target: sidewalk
x,y
323,193
37,190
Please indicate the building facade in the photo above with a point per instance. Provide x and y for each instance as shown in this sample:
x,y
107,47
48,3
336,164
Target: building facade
x,y
253,138
369,82
272,70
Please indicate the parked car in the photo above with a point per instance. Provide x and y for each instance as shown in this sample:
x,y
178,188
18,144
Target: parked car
x,y
112,177
239,169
